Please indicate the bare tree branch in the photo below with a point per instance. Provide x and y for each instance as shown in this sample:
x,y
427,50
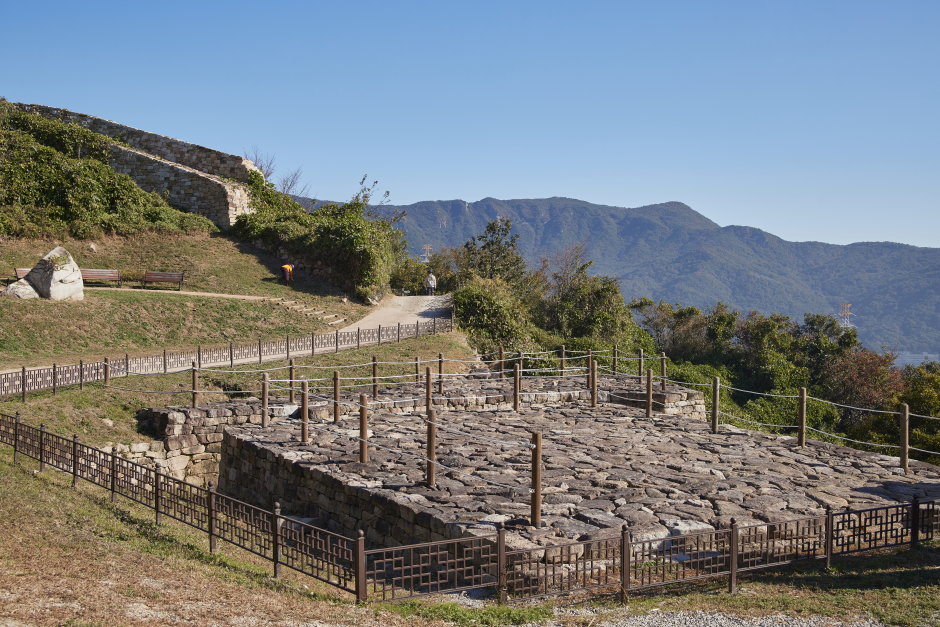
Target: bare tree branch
x,y
290,184
264,161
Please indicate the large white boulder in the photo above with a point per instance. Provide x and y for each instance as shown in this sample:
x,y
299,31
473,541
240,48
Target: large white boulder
x,y
56,277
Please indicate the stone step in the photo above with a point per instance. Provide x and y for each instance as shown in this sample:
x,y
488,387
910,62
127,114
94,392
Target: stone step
x,y
337,321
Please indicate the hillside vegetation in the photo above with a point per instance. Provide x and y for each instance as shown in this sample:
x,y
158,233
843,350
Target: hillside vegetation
x,y
670,252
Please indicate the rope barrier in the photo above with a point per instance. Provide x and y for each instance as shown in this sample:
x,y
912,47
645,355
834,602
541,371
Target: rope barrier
x,y
728,387
874,411
754,422
920,450
920,416
839,437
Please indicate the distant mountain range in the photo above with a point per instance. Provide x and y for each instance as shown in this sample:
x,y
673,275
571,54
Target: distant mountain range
x,y
669,251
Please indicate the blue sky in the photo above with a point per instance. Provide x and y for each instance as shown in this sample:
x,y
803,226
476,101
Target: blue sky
x,y
811,120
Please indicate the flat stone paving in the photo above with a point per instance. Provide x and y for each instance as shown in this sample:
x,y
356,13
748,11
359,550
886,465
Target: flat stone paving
x,y
603,467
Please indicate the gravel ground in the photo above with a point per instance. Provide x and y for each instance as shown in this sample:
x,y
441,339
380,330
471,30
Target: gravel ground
x,y
703,619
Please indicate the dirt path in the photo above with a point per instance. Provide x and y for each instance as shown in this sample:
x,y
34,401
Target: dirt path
x,y
207,294
406,310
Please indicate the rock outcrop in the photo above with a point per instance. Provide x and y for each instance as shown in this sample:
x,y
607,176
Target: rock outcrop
x,y
56,277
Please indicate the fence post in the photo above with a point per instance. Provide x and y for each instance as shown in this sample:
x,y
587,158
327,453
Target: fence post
x,y
291,393
417,375
210,517
905,436
380,335
716,403
626,556
588,362
164,361
276,540
501,562
829,535
733,578
662,367
801,436
363,428
113,474
361,591
535,503
195,386
615,360
16,438
23,383
127,365
42,447
336,396
427,390
593,384
399,332
304,412
313,344
639,370
231,355
915,522
515,387
288,348
358,337
649,392
81,374
375,377
55,377
502,363
157,495
199,355
337,340
440,374
432,448
562,360
259,351
107,373
74,460
264,400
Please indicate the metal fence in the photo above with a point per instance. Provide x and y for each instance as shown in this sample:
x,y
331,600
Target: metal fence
x,y
618,564
34,380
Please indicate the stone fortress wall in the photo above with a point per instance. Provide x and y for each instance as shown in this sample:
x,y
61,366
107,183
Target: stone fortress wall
x,y
198,179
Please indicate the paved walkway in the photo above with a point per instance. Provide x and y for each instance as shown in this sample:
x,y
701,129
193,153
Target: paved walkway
x,y
406,310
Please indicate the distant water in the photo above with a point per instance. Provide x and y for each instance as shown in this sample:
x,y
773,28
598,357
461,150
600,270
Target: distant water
x,y
913,358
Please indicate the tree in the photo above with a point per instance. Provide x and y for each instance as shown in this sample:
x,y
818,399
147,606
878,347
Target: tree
x,y
863,379
495,254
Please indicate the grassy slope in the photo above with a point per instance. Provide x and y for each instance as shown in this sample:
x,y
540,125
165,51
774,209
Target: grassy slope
x,y
70,555
37,332
85,412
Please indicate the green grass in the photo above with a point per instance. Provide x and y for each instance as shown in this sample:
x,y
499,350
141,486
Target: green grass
x,y
102,415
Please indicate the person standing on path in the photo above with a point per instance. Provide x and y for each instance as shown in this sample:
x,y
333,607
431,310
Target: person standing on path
x,y
430,282
288,271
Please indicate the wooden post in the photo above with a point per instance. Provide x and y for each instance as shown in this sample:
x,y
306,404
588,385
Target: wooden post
x,y
164,361
432,449
515,387
362,591
107,375
417,327
74,460
337,340
639,370
905,436
562,360
288,351
626,557
716,406
264,400
615,360
210,517
501,563
363,428
195,386
231,355
291,382
801,417
649,393
440,374
304,413
829,535
427,390
417,374
259,351
81,374
662,368
375,377
589,362
42,448
336,396
399,332
733,579
380,335
594,384
313,344
55,378
199,355
358,338
502,363
535,513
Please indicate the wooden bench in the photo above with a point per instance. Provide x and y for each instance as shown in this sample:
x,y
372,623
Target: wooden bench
x,y
102,275
19,273
163,277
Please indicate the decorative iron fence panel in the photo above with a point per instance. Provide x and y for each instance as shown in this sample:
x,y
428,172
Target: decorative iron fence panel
x,y
68,375
181,359
929,520
873,528
94,465
184,502
58,452
422,569
7,429
134,481
679,558
564,568
28,442
775,544
318,553
245,351
244,525
347,338
215,355
11,383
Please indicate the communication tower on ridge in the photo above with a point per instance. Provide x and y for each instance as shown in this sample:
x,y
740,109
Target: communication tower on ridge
x,y
844,321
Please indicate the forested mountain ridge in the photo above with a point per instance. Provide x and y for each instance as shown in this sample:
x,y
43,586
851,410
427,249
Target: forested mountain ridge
x,y
669,251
